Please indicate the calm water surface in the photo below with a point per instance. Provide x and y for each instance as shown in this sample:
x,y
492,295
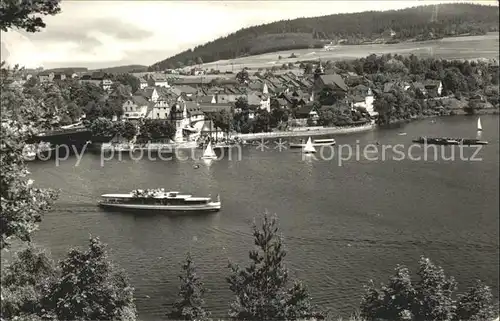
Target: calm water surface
x,y
343,225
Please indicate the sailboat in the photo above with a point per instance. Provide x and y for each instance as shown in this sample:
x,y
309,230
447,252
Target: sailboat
x,y
209,152
479,126
309,148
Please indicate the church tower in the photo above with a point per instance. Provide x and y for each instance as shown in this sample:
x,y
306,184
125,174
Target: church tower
x,y
319,70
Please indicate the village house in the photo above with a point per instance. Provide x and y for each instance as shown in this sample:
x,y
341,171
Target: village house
x,y
209,129
161,107
191,81
46,76
98,79
213,90
429,88
150,93
365,100
197,71
135,108
15,82
158,80
158,112
210,109
187,90
207,99
333,82
304,114
188,119
434,87
261,101
388,86
279,103
296,98
142,83
59,77
228,98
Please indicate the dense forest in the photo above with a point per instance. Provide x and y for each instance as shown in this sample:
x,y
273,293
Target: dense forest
x,y
127,69
418,23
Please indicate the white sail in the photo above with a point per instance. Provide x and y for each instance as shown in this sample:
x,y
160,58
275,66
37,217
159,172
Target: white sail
x,y
309,148
479,126
209,152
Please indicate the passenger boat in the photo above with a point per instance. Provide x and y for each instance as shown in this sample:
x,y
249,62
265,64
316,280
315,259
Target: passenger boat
x,y
315,143
159,200
449,141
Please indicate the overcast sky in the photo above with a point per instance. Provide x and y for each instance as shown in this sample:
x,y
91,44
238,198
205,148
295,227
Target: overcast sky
x,y
99,34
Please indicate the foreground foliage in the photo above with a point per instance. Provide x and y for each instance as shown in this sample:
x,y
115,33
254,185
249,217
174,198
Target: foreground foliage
x,y
22,205
262,289
190,305
84,286
25,15
25,283
430,298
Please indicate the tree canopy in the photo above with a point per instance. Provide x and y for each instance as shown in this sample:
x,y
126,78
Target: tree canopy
x,y
190,305
432,297
26,15
263,290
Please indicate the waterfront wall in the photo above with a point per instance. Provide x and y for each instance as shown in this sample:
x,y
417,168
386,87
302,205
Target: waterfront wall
x,y
312,131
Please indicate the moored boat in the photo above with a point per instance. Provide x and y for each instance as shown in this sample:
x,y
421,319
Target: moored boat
x,y
159,200
449,141
472,141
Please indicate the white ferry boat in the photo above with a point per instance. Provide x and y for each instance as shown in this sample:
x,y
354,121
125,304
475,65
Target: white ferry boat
x,y
159,200
316,143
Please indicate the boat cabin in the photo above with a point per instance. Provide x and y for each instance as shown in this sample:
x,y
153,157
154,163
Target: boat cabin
x,y
155,197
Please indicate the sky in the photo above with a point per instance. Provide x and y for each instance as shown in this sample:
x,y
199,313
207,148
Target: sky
x,y
98,34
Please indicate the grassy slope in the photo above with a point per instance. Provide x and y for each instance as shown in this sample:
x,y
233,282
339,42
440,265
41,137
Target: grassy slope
x,y
123,69
411,23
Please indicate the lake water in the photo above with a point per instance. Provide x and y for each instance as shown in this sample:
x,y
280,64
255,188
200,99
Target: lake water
x,y
343,225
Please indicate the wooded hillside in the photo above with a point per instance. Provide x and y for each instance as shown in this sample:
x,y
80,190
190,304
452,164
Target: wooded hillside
x,y
418,23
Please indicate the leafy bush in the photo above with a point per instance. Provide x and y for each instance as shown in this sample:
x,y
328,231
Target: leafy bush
x,y
431,298
190,305
262,289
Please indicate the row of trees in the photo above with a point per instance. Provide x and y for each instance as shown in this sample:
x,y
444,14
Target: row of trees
x,y
146,130
477,82
65,101
460,79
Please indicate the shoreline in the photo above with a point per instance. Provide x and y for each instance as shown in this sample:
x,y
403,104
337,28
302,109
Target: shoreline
x,y
481,112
